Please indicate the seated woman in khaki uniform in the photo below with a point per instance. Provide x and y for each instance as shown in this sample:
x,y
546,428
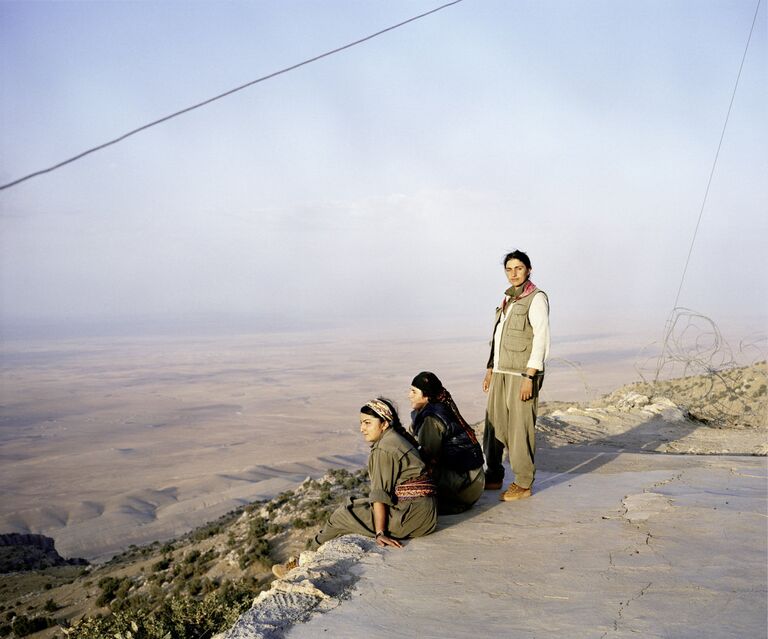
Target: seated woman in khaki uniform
x,y
402,501
447,443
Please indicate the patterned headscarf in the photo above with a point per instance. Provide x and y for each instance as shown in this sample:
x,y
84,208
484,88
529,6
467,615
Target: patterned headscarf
x,y
381,409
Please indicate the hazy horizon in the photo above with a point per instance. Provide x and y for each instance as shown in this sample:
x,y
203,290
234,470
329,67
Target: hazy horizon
x,y
383,184
213,326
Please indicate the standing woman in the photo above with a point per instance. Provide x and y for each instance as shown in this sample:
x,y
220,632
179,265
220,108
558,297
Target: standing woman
x,y
514,375
447,443
402,502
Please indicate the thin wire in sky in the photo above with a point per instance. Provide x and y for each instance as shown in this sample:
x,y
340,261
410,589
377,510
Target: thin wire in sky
x,y
670,322
717,155
225,94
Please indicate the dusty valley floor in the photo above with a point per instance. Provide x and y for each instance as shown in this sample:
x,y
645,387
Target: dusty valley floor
x,y
107,443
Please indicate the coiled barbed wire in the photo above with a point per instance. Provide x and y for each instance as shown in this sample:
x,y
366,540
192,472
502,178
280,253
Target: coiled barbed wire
x,y
696,367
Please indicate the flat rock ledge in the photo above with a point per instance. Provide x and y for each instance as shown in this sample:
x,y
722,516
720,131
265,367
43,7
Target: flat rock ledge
x,y
322,580
636,422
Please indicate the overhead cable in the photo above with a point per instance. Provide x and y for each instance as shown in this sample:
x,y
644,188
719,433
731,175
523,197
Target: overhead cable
x,y
717,155
669,327
225,94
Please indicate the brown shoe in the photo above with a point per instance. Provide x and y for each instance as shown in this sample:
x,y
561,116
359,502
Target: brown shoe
x,y
493,485
281,570
515,492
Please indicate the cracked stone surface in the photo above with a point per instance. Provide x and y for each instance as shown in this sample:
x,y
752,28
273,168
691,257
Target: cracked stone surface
x,y
612,544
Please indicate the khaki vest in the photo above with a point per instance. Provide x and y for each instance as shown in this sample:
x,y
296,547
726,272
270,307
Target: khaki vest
x,y
516,336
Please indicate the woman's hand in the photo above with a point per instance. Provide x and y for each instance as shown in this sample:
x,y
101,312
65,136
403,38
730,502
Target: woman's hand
x,y
380,516
383,540
487,380
526,389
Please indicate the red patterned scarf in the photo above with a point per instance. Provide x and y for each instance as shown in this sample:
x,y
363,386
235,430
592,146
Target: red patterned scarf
x,y
445,398
528,289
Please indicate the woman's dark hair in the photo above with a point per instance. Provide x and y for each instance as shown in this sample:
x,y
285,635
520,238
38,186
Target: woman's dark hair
x,y
396,424
429,384
517,255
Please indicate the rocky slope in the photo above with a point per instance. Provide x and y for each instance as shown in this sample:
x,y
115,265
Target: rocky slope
x,y
192,586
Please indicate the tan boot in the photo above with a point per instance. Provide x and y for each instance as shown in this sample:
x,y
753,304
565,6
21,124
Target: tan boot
x,y
281,570
515,492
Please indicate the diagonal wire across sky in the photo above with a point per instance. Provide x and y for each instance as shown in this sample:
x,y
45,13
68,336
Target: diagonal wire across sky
x,y
269,76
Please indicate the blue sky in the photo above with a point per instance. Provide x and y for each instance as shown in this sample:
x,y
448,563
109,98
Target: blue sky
x,y
387,181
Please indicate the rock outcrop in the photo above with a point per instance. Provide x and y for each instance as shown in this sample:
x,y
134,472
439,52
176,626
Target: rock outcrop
x,y
319,584
19,552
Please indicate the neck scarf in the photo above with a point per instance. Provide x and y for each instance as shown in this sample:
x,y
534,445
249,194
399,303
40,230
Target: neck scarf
x,y
514,293
445,398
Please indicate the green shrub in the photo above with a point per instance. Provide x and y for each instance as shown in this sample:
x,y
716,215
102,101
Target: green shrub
x,y
258,551
177,618
109,586
185,571
162,564
207,556
204,532
282,498
123,589
23,626
50,606
257,527
194,586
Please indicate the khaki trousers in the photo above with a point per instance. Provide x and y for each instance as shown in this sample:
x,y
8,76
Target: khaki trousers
x,y
513,423
410,518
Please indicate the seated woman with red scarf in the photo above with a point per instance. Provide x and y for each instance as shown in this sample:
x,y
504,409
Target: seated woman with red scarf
x,y
447,443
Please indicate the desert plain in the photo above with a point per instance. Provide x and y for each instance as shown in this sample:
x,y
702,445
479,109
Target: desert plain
x,y
108,442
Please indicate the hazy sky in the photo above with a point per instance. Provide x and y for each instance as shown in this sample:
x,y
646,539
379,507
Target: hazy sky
x,y
386,182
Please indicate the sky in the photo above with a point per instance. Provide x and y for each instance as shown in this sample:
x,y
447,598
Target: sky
x,y
385,183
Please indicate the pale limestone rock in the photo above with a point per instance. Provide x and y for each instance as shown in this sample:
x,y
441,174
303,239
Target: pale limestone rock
x,y
632,400
318,584
667,409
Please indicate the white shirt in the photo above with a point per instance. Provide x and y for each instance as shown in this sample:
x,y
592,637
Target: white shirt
x,y
538,316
